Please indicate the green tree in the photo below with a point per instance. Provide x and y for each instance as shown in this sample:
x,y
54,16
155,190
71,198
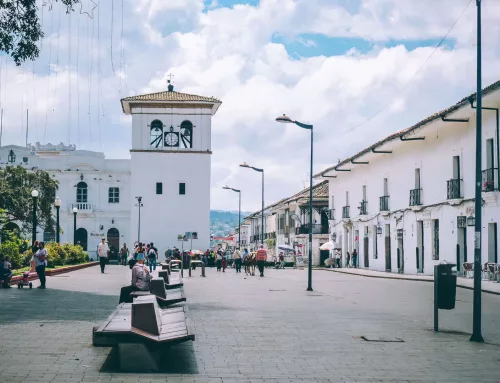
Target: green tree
x,y
16,184
20,27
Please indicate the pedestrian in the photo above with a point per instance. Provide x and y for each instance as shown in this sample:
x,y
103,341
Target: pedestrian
x,y
124,252
5,272
138,250
40,264
282,260
141,280
224,263
152,257
218,261
102,253
237,260
261,259
355,258
338,256
347,259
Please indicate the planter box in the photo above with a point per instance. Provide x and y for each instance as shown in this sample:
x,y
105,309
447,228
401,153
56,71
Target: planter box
x,y
61,270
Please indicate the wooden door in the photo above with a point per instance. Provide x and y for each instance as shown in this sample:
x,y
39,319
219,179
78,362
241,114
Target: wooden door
x,y
388,262
365,251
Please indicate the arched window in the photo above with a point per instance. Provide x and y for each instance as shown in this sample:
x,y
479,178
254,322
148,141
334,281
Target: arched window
x,y
114,240
156,134
81,192
187,134
8,231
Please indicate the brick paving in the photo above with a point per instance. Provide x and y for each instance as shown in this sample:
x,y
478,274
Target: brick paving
x,y
251,329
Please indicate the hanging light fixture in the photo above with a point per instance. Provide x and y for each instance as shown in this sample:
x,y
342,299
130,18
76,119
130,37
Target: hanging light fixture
x,y
379,229
471,220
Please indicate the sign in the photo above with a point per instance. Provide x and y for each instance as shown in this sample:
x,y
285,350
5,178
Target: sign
x,y
400,234
194,235
461,222
97,234
187,235
300,261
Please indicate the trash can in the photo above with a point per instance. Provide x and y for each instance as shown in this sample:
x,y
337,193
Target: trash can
x,y
446,280
185,261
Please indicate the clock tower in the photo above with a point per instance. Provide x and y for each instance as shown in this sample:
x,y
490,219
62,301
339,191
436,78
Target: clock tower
x,y
170,167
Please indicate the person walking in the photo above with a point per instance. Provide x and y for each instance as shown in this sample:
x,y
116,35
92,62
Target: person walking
x,y
152,257
355,258
282,261
347,259
124,252
218,261
237,260
261,259
102,253
40,263
224,263
338,256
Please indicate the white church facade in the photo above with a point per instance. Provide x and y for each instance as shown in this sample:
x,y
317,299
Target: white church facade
x,y
169,170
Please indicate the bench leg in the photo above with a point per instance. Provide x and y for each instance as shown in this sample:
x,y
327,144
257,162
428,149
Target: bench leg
x,y
135,357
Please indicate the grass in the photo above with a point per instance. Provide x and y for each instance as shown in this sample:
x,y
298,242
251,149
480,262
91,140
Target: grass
x,y
22,270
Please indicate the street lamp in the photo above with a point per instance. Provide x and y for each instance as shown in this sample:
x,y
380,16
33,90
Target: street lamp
x,y
239,213
287,120
34,195
139,203
57,204
75,211
245,165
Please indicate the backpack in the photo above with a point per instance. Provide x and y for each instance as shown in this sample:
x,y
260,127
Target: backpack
x,y
151,253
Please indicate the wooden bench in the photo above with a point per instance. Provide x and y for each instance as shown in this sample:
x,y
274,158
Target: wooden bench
x,y
163,297
141,328
172,281
196,262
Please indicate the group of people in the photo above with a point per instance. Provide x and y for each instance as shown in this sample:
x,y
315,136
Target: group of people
x,y
350,261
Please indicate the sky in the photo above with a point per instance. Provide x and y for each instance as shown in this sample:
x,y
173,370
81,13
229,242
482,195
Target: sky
x,y
358,70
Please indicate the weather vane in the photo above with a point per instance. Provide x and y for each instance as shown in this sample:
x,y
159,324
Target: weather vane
x,y
170,75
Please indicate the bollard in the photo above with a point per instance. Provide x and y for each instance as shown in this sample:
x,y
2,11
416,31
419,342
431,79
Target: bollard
x,y
189,267
203,269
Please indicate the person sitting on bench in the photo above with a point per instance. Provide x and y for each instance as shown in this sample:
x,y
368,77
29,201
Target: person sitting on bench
x,y
5,272
141,279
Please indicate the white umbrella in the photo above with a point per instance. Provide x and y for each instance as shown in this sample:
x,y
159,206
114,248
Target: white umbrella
x,y
327,246
285,247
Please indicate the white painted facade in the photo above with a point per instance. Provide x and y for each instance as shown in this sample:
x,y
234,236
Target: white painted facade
x,y
415,238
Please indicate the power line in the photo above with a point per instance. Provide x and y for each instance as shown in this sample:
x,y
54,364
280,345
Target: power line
x,y
414,74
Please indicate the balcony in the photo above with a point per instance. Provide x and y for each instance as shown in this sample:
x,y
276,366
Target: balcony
x,y
454,187
384,203
415,197
331,214
316,229
489,180
81,206
363,208
345,212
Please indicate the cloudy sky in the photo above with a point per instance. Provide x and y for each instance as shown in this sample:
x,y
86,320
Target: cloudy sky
x,y
356,69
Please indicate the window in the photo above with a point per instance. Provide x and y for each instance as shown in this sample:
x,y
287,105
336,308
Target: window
x,y
159,188
417,178
156,134
347,198
456,167
182,188
113,195
187,134
435,242
81,192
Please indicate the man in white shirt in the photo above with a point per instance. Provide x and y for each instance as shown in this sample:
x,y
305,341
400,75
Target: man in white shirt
x,y
102,253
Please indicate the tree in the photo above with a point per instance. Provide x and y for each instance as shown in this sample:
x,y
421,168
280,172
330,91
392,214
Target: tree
x,y
20,28
16,203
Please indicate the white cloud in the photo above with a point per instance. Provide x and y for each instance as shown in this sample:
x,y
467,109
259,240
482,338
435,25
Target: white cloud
x,y
229,53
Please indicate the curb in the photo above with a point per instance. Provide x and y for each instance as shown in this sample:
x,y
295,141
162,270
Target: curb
x,y
406,279
49,273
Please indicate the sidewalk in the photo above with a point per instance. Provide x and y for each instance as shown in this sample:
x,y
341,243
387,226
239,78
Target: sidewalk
x,y
466,283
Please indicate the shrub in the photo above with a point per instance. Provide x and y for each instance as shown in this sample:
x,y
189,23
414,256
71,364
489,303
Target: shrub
x,y
74,254
54,254
10,249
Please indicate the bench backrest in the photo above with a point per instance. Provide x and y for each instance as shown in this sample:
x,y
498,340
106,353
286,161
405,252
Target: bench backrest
x,y
157,288
146,314
163,274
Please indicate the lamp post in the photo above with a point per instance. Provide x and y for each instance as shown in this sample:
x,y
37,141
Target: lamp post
x,y
288,120
476,316
139,203
245,165
239,213
75,211
57,204
34,195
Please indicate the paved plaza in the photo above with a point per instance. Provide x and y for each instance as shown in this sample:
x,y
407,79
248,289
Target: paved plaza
x,y
251,329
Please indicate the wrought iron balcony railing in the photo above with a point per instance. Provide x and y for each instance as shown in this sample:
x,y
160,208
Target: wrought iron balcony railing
x,y
415,197
384,203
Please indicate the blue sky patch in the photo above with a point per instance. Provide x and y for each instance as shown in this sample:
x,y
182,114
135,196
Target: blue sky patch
x,y
228,3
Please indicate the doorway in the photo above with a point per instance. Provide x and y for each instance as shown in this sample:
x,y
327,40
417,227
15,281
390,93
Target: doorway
x,y
420,247
113,243
388,261
366,248
461,247
400,252
492,243
323,255
81,238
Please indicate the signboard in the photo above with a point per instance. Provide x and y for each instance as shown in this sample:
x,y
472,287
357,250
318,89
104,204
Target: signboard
x,y
461,222
194,235
300,261
187,235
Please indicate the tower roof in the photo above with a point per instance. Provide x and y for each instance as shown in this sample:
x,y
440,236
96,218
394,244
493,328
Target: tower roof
x,y
169,98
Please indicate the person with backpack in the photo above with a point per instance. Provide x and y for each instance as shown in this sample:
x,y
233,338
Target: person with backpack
x,y
152,257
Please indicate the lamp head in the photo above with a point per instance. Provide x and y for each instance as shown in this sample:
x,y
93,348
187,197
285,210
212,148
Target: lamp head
x,y
34,193
226,187
284,119
57,202
245,165
75,210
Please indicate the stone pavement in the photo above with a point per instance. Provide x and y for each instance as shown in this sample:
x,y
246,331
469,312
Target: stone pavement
x,y
251,329
487,286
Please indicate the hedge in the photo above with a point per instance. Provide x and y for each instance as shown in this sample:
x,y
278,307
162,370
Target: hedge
x,y
58,255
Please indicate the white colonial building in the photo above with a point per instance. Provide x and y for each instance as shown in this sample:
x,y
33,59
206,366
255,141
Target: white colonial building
x,y
169,170
406,203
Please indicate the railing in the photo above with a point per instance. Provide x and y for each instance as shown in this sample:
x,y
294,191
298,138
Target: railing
x,y
415,199
384,203
363,208
345,212
454,187
316,229
81,206
332,214
489,180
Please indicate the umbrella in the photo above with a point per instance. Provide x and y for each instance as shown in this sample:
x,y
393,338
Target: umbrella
x,y
285,247
197,252
327,246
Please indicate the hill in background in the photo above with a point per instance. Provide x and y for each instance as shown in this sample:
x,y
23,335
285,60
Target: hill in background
x,y
223,223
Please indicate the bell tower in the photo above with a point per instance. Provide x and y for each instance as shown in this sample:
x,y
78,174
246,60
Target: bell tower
x,y
170,167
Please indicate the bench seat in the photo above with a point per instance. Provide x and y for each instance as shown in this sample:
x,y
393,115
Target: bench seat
x,y
172,281
172,297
